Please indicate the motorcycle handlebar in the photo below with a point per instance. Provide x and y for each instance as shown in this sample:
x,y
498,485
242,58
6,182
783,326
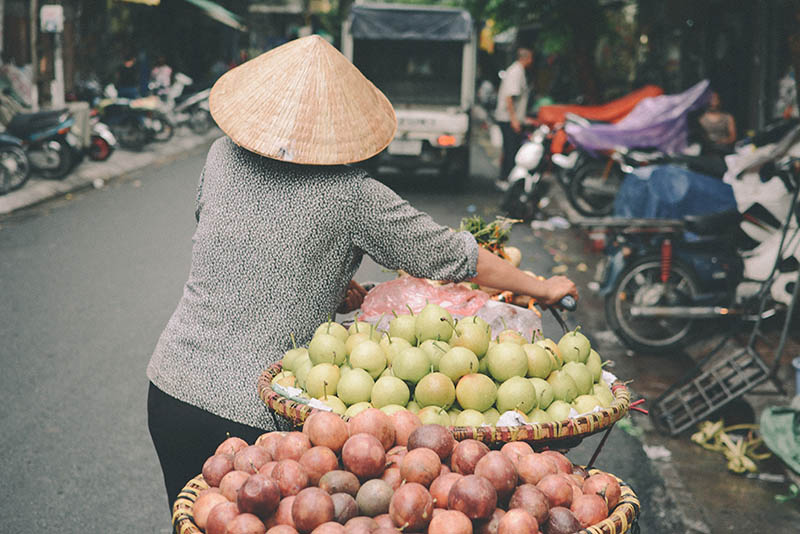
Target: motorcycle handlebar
x,y
569,303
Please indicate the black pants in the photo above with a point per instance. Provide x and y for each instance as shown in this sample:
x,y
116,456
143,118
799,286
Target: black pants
x,y
185,436
511,143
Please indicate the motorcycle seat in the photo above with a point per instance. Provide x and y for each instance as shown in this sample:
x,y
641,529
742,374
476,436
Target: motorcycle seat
x,y
24,125
724,222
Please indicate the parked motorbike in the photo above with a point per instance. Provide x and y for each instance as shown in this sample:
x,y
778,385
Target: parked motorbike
x,y
51,148
119,121
103,142
590,183
194,112
548,143
523,198
14,165
156,119
659,123
186,109
663,277
132,125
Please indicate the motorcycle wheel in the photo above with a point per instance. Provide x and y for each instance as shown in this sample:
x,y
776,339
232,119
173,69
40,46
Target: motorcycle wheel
x,y
640,284
163,128
593,187
14,169
200,121
99,149
62,156
131,133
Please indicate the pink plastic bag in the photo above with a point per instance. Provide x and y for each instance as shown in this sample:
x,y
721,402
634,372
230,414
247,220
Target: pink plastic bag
x,y
395,295
460,301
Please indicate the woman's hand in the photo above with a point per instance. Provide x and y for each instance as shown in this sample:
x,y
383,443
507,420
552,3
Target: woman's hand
x,y
500,274
556,288
353,298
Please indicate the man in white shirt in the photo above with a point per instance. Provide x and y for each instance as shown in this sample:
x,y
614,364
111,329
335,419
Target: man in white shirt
x,y
512,104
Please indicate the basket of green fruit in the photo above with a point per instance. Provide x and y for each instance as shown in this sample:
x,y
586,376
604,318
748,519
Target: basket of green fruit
x,y
455,374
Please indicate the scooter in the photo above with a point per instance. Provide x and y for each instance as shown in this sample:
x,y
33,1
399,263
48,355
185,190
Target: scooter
x,y
186,110
194,112
589,182
659,123
103,143
663,277
134,123
548,143
14,165
52,149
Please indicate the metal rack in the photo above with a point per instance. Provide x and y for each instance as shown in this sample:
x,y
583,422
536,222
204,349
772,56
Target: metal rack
x,y
713,383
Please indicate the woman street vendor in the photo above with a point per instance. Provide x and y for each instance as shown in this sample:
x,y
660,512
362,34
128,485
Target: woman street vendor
x,y
282,225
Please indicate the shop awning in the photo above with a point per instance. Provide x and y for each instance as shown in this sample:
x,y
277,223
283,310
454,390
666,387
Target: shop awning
x,y
220,14
212,9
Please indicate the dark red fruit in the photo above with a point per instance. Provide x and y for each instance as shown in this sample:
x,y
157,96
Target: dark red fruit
x,y
216,467
530,498
311,508
259,495
434,437
411,507
498,469
466,455
474,496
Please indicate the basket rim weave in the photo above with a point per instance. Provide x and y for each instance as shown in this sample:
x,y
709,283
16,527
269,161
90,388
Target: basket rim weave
x,y
576,427
618,521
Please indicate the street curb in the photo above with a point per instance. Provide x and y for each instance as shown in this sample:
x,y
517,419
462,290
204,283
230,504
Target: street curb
x,y
91,173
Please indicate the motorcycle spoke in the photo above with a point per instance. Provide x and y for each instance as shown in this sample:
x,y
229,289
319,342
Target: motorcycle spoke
x,y
645,288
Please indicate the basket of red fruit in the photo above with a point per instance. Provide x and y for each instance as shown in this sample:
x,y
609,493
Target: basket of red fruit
x,y
365,477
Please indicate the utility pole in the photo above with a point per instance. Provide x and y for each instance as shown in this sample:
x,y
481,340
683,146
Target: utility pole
x,y
34,56
52,22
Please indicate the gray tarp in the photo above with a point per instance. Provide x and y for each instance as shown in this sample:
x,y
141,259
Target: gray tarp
x,y
395,23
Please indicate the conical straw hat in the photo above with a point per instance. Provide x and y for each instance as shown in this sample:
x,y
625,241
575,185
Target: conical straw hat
x,y
303,102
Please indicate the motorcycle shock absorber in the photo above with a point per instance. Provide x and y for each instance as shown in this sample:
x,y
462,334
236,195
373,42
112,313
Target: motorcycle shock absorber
x,y
666,260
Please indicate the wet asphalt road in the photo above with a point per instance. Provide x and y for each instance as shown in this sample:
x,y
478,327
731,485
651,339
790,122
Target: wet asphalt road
x,y
88,282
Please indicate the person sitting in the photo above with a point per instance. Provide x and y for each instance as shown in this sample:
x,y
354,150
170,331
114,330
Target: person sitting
x,y
719,128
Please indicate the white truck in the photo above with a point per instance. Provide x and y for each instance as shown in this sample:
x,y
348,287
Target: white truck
x,y
423,59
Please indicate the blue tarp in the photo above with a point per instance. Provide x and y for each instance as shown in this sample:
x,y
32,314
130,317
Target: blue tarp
x,y
671,192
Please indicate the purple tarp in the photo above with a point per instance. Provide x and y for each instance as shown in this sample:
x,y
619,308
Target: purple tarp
x,y
659,122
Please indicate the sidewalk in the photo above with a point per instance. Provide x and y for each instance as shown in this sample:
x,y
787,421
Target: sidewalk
x,y
90,173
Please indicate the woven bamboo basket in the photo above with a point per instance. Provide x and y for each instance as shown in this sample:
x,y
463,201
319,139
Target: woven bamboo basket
x,y
563,434
619,521
183,509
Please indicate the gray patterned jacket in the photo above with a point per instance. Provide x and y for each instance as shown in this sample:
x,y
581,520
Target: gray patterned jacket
x,y
275,247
